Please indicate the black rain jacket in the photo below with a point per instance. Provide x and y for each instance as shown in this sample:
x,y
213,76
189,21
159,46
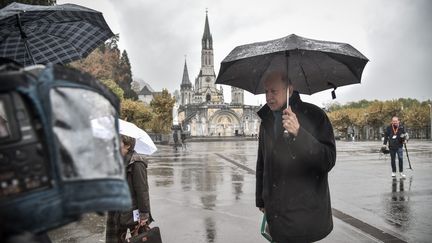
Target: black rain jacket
x,y
394,142
291,174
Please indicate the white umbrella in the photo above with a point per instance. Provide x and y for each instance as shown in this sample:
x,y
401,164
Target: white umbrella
x,y
144,144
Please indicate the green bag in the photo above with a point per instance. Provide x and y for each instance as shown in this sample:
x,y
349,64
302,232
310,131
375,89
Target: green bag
x,y
265,229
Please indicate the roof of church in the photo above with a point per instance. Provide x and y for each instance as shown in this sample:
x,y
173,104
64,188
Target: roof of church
x,y
185,80
145,91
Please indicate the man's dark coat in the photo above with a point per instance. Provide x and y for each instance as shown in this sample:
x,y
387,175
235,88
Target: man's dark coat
x,y
291,174
397,142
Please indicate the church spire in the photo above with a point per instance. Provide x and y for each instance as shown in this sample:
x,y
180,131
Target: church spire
x,y
185,81
207,40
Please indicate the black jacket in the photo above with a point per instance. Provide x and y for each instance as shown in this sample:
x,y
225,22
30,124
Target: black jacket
x,y
394,142
291,175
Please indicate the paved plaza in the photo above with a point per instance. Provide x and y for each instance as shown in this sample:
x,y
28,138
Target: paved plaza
x,y
206,193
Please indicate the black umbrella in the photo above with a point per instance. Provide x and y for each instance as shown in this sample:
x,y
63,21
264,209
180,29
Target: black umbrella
x,y
311,65
31,34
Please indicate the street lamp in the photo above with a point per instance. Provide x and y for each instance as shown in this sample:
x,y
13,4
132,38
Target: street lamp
x,y
430,113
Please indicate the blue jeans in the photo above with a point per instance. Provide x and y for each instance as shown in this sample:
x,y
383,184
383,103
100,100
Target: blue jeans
x,y
399,152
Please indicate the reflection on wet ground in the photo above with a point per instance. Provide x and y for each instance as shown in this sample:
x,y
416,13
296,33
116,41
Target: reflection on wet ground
x,y
91,228
210,229
397,203
217,196
207,194
368,192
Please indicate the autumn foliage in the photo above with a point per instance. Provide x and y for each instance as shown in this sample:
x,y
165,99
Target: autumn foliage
x,y
114,70
162,105
375,115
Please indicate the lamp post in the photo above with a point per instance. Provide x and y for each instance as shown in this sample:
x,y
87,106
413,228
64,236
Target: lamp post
x,y
365,120
430,113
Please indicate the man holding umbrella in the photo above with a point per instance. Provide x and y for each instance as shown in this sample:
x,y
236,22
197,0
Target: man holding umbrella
x,y
296,142
292,187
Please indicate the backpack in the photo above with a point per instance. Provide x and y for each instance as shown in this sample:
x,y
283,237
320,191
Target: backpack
x,y
59,148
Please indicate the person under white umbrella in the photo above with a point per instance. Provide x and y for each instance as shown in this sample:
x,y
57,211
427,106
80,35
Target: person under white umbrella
x,y
135,143
144,144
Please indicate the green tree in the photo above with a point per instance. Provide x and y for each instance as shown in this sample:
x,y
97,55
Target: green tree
x,y
110,44
123,74
136,112
332,106
417,116
408,103
106,62
358,117
417,120
162,105
359,104
375,117
113,86
99,64
392,108
340,121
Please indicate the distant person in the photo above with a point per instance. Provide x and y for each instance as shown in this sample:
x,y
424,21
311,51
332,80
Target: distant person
x,y
136,175
291,175
396,136
176,139
183,140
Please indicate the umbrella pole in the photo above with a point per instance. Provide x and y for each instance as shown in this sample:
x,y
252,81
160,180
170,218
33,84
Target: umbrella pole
x,y
24,37
286,133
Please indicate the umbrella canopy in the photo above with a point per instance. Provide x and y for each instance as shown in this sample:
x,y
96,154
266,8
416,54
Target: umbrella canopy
x,y
311,65
32,34
144,144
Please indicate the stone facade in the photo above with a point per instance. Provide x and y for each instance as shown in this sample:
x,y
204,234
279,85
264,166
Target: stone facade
x,y
202,111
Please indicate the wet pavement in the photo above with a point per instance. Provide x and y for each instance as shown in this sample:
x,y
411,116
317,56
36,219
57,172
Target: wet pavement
x,y
206,193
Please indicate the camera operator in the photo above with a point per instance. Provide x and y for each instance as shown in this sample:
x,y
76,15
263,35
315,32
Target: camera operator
x,y
9,231
48,159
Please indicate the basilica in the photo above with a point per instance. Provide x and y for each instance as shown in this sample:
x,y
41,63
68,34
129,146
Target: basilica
x,y
201,107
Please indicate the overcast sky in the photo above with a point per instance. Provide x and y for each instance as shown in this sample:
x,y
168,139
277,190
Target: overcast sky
x,y
395,35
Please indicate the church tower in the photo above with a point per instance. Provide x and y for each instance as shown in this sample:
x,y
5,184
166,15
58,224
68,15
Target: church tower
x,y
207,64
186,91
205,87
237,96
202,111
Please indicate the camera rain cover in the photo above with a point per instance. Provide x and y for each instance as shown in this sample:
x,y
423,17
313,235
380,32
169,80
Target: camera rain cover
x,y
84,125
62,148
